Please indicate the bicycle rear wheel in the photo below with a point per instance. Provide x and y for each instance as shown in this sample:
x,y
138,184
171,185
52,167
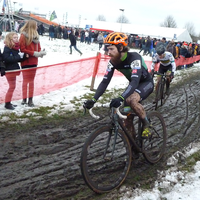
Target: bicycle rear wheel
x,y
104,162
158,95
154,147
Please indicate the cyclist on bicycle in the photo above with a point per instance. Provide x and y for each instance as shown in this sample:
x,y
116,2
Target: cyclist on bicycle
x,y
133,67
167,65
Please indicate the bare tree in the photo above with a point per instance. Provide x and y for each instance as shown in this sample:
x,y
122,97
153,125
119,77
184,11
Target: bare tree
x,y
101,18
190,27
169,22
122,19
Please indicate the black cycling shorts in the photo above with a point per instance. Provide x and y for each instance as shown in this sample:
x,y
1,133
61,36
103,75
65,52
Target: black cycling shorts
x,y
163,69
144,89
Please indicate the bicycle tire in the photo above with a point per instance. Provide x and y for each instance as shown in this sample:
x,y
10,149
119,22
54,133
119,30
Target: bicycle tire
x,y
154,146
158,95
105,174
163,84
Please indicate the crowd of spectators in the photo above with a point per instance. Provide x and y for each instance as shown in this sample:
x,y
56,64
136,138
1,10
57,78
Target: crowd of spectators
x,y
177,48
147,45
83,35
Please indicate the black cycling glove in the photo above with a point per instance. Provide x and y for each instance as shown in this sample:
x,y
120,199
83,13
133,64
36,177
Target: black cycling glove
x,y
89,103
116,102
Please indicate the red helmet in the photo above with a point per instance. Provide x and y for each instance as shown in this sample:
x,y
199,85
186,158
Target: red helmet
x,y
115,38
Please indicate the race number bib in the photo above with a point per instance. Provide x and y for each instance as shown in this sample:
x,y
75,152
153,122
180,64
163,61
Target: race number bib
x,y
136,64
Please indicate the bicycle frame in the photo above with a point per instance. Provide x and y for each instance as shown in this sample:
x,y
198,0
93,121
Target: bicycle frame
x,y
160,87
117,122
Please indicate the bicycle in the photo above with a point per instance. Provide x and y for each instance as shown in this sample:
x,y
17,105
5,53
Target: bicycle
x,y
108,152
161,90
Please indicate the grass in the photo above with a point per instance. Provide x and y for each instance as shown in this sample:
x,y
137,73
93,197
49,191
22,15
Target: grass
x,y
190,162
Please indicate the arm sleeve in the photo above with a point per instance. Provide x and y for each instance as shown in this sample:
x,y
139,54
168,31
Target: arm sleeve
x,y
104,83
154,60
173,63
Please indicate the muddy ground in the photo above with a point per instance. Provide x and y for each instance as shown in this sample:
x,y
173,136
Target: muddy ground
x,y
43,163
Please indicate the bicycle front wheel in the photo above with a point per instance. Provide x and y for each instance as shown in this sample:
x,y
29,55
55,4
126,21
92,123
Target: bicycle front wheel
x,y
158,95
105,159
154,146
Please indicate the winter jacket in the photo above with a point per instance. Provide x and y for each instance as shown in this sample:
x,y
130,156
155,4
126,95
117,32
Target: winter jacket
x,y
72,39
34,46
184,52
11,58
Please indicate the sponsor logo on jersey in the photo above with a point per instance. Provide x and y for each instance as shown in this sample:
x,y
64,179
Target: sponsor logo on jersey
x,y
134,76
106,73
138,91
134,71
109,66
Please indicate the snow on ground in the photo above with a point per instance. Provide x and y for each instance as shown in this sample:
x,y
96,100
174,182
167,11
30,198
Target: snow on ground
x,y
173,184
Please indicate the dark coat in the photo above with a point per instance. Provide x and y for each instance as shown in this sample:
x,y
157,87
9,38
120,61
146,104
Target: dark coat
x,y
72,39
184,52
11,58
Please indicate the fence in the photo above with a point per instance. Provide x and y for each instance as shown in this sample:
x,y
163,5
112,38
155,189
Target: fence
x,y
54,77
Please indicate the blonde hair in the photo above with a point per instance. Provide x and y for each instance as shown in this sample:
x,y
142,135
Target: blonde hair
x,y
8,40
30,30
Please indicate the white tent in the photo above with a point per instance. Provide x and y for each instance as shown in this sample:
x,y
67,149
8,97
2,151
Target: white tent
x,y
154,32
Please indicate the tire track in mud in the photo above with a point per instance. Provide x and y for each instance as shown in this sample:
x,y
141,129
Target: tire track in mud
x,y
183,119
44,163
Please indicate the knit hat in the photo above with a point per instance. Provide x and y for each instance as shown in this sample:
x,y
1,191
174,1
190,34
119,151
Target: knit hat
x,y
185,44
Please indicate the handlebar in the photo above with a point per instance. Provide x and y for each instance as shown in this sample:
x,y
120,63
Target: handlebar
x,y
116,110
166,75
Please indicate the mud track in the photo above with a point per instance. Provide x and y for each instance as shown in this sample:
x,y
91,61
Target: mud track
x,y
43,164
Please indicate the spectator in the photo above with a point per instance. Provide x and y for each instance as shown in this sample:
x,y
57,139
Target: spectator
x,y
177,51
51,32
184,50
171,48
76,34
163,41
93,36
154,46
86,36
82,36
65,33
55,32
16,26
89,37
130,40
143,45
72,39
100,40
59,32
148,46
137,41
41,29
11,57
29,44
20,25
